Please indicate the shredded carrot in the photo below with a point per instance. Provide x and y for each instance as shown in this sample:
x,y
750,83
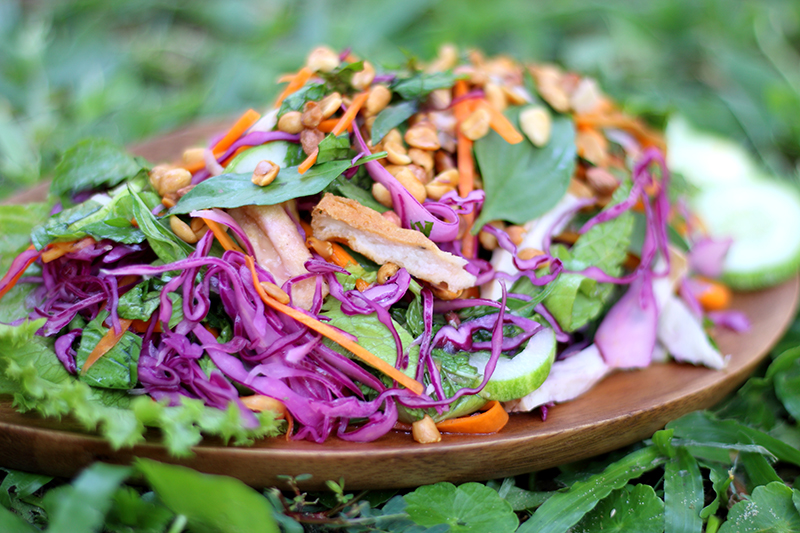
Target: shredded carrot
x,y
286,78
715,296
59,249
340,257
259,402
19,274
299,79
493,419
134,223
141,326
362,285
194,167
335,335
350,114
309,162
222,236
326,126
249,118
501,124
109,340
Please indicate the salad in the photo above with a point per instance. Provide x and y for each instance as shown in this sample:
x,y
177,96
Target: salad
x,y
424,249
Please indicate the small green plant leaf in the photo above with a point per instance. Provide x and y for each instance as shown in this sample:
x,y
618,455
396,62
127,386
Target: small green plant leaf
x,y
631,508
770,509
683,493
23,484
391,117
468,508
211,504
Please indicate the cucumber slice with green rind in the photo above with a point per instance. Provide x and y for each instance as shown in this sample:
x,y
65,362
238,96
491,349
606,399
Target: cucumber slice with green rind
x,y
763,218
518,376
246,162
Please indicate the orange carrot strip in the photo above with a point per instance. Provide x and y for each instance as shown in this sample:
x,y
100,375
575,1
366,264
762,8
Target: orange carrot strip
x,y
350,114
19,274
222,236
259,402
340,256
326,126
298,81
715,296
501,124
335,335
249,118
58,249
286,78
492,420
140,326
194,167
309,162
109,340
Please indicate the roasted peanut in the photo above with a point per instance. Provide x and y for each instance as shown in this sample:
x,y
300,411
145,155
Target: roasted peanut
x,y
330,104
310,140
382,194
410,182
580,189
440,99
392,217
586,96
529,253
291,122
601,180
443,293
386,271
476,125
275,292
182,230
443,161
168,180
422,158
592,146
323,248
422,135
396,153
495,96
442,184
312,115
362,79
394,135
425,431
193,156
379,97
322,59
516,234
265,173
536,124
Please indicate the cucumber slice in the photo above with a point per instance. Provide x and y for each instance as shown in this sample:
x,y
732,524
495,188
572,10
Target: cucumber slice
x,y
763,218
518,376
245,163
707,160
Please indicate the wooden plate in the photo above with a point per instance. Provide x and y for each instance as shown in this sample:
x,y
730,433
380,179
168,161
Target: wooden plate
x,y
622,409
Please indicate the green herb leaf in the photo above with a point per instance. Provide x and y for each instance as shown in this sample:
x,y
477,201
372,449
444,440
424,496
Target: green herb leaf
x,y
23,483
770,508
311,92
720,481
421,84
332,148
82,506
235,507
236,190
522,181
132,512
117,369
564,509
391,117
471,507
167,246
341,186
683,493
787,383
759,470
631,508
92,164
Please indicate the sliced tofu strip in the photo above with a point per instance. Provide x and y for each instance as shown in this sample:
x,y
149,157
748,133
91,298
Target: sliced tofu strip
x,y
535,232
567,380
368,233
279,247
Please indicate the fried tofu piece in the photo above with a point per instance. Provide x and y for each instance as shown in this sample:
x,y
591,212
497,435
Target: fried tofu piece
x,y
368,233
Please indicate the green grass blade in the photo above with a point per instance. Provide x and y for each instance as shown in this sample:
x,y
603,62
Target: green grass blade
x,y
683,494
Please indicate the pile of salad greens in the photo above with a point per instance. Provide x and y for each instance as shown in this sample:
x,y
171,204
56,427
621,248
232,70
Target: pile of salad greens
x,y
188,296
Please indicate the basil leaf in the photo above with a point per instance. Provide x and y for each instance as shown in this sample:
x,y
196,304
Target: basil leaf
x,y
116,229
92,164
419,85
333,147
167,246
390,118
522,181
309,93
117,369
236,190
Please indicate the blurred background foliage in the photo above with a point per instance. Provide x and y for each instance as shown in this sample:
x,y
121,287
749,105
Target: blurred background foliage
x,y
129,69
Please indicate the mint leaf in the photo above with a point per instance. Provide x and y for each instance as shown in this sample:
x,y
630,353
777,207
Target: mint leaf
x,y
631,508
92,164
770,508
210,503
564,509
82,506
332,148
391,117
235,190
509,170
471,507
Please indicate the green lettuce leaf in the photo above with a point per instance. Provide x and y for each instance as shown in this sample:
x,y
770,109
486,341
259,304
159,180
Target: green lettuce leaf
x,y
117,369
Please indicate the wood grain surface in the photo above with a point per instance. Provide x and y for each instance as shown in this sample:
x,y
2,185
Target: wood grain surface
x,y
622,409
